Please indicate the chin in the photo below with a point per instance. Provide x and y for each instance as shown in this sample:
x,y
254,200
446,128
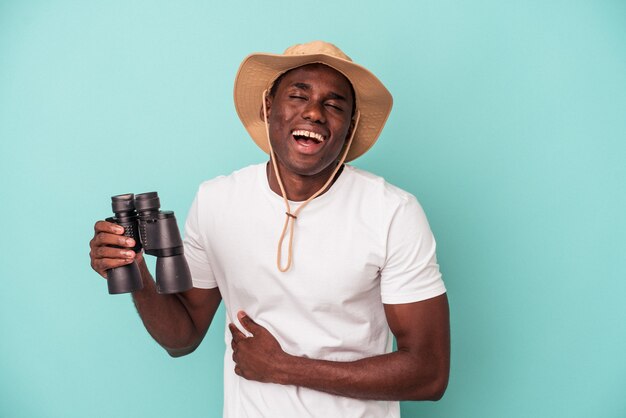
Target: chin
x,y
306,171
314,171
307,165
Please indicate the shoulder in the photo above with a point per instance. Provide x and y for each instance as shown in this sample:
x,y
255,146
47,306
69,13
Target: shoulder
x,y
242,178
375,188
385,202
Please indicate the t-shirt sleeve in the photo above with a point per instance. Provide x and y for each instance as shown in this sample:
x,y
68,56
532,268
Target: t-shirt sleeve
x,y
410,272
195,251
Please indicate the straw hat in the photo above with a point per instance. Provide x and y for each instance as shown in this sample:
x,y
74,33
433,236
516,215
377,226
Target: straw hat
x,y
259,71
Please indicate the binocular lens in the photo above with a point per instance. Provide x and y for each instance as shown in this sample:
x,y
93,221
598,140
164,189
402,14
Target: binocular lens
x,y
173,275
124,279
123,203
147,202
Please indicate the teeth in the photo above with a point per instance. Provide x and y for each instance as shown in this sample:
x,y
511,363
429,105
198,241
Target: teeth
x,y
309,134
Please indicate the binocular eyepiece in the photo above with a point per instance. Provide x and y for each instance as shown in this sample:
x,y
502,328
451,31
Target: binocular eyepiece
x,y
157,233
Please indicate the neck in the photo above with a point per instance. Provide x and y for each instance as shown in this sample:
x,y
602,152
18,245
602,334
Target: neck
x,y
300,187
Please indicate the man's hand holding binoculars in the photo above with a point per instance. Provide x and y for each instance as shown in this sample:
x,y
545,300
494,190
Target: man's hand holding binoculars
x,y
110,248
139,224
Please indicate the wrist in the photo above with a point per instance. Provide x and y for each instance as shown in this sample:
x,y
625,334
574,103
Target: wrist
x,y
284,368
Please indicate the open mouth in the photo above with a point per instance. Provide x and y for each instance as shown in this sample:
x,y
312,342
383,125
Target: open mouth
x,y
307,138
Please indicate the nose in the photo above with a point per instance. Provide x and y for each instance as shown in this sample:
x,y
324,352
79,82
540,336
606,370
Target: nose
x,y
314,112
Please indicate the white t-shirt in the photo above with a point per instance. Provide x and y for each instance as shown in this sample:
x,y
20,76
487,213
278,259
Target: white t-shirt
x,y
361,244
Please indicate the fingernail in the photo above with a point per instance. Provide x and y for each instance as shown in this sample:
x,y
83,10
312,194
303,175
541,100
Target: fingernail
x,y
128,254
119,229
130,242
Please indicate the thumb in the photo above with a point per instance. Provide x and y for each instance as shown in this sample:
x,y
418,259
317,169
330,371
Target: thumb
x,y
247,322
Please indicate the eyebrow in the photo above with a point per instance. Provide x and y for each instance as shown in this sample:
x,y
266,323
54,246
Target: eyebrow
x,y
306,87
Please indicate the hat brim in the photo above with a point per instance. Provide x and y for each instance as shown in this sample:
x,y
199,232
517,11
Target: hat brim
x,y
258,71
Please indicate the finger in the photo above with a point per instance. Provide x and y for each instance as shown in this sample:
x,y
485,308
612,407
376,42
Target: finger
x,y
238,371
112,252
234,340
237,335
106,238
103,264
104,226
247,322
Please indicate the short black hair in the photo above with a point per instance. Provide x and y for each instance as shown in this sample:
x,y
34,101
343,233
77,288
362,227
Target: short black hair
x,y
279,79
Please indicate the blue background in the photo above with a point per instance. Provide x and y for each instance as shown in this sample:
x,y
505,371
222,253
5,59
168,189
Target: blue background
x,y
509,125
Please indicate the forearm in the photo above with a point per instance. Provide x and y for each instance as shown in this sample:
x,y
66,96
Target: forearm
x,y
400,375
418,370
165,317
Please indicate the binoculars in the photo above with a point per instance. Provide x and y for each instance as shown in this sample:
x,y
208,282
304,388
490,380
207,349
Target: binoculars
x,y
157,233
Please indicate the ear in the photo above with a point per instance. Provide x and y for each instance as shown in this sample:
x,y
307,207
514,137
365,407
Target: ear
x,y
268,105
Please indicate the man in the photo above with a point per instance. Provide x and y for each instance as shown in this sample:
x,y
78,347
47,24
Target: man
x,y
309,319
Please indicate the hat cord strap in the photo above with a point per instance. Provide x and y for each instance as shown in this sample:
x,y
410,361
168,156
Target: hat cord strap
x,y
290,218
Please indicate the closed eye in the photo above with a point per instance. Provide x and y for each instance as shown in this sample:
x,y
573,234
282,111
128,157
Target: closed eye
x,y
334,106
